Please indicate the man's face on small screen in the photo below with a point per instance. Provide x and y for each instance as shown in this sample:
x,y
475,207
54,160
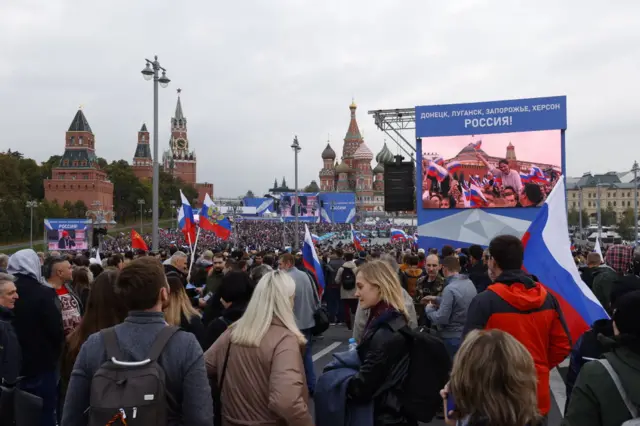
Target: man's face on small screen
x,y
510,198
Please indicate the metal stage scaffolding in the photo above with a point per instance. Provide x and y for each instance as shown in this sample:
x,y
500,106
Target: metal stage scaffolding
x,y
392,122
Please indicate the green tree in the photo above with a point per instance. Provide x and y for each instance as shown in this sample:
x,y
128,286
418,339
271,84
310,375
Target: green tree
x,y
574,217
249,194
626,227
608,217
47,167
32,177
127,190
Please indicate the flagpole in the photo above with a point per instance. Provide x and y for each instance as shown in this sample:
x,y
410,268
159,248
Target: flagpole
x,y
193,251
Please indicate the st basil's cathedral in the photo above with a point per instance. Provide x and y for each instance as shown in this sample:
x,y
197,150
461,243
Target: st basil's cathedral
x,y
354,173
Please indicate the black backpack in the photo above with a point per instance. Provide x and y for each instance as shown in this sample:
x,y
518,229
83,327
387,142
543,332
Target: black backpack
x,y
348,278
429,367
132,391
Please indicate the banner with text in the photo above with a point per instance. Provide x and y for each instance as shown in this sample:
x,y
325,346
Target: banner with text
x,y
485,168
337,207
66,234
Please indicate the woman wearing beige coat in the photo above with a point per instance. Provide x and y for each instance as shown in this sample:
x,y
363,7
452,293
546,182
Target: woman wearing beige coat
x,y
264,382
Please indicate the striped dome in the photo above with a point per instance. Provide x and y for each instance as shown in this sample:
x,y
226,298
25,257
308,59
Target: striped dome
x,y
363,153
385,156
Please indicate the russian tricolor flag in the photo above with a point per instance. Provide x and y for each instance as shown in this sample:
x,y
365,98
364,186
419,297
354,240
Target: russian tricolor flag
x,y
477,196
355,239
311,261
454,167
437,171
211,221
315,238
477,145
439,161
547,255
398,234
186,221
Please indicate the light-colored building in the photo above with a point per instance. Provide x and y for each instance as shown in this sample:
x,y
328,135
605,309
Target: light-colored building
x,y
614,193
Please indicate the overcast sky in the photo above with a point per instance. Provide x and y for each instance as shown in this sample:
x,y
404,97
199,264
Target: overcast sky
x,y
256,72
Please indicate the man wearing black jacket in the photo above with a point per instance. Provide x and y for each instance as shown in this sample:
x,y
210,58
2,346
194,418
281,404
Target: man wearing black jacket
x,y
38,324
478,271
9,347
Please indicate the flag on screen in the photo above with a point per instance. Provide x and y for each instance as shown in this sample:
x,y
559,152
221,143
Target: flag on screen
x,y
547,255
137,242
212,220
311,261
454,167
186,222
437,171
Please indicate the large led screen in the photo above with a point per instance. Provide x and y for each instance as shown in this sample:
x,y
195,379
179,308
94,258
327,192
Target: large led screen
x,y
499,170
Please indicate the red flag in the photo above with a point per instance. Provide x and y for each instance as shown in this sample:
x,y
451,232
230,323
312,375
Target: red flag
x,y
137,242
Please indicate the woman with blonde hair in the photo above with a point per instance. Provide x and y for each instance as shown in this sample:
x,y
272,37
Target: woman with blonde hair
x,y
383,351
493,382
257,363
180,312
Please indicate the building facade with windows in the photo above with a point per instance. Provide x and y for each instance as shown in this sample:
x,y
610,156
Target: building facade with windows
x,y
614,193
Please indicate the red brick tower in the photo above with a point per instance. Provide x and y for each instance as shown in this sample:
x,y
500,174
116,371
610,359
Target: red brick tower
x,y
142,160
178,160
78,176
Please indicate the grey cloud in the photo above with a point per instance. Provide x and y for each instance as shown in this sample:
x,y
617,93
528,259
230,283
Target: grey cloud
x,y
256,73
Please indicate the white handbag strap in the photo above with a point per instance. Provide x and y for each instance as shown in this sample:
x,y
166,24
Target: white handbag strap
x,y
616,379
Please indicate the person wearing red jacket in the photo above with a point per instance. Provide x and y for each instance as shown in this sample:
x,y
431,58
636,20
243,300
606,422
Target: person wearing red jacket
x,y
517,304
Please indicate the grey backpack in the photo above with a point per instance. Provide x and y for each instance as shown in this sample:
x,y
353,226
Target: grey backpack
x,y
131,393
633,410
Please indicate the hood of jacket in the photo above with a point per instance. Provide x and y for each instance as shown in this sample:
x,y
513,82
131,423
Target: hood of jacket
x,y
25,262
350,264
413,272
519,290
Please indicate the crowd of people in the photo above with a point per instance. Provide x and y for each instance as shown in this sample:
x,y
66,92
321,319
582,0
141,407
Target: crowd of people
x,y
462,333
254,234
500,186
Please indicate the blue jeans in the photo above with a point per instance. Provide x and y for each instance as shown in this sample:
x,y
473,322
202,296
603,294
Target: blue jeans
x,y
308,362
452,344
44,385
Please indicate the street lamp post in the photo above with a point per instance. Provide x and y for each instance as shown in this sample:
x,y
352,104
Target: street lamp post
x,y
31,205
141,203
635,170
173,210
332,209
150,71
580,212
296,149
236,211
598,185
